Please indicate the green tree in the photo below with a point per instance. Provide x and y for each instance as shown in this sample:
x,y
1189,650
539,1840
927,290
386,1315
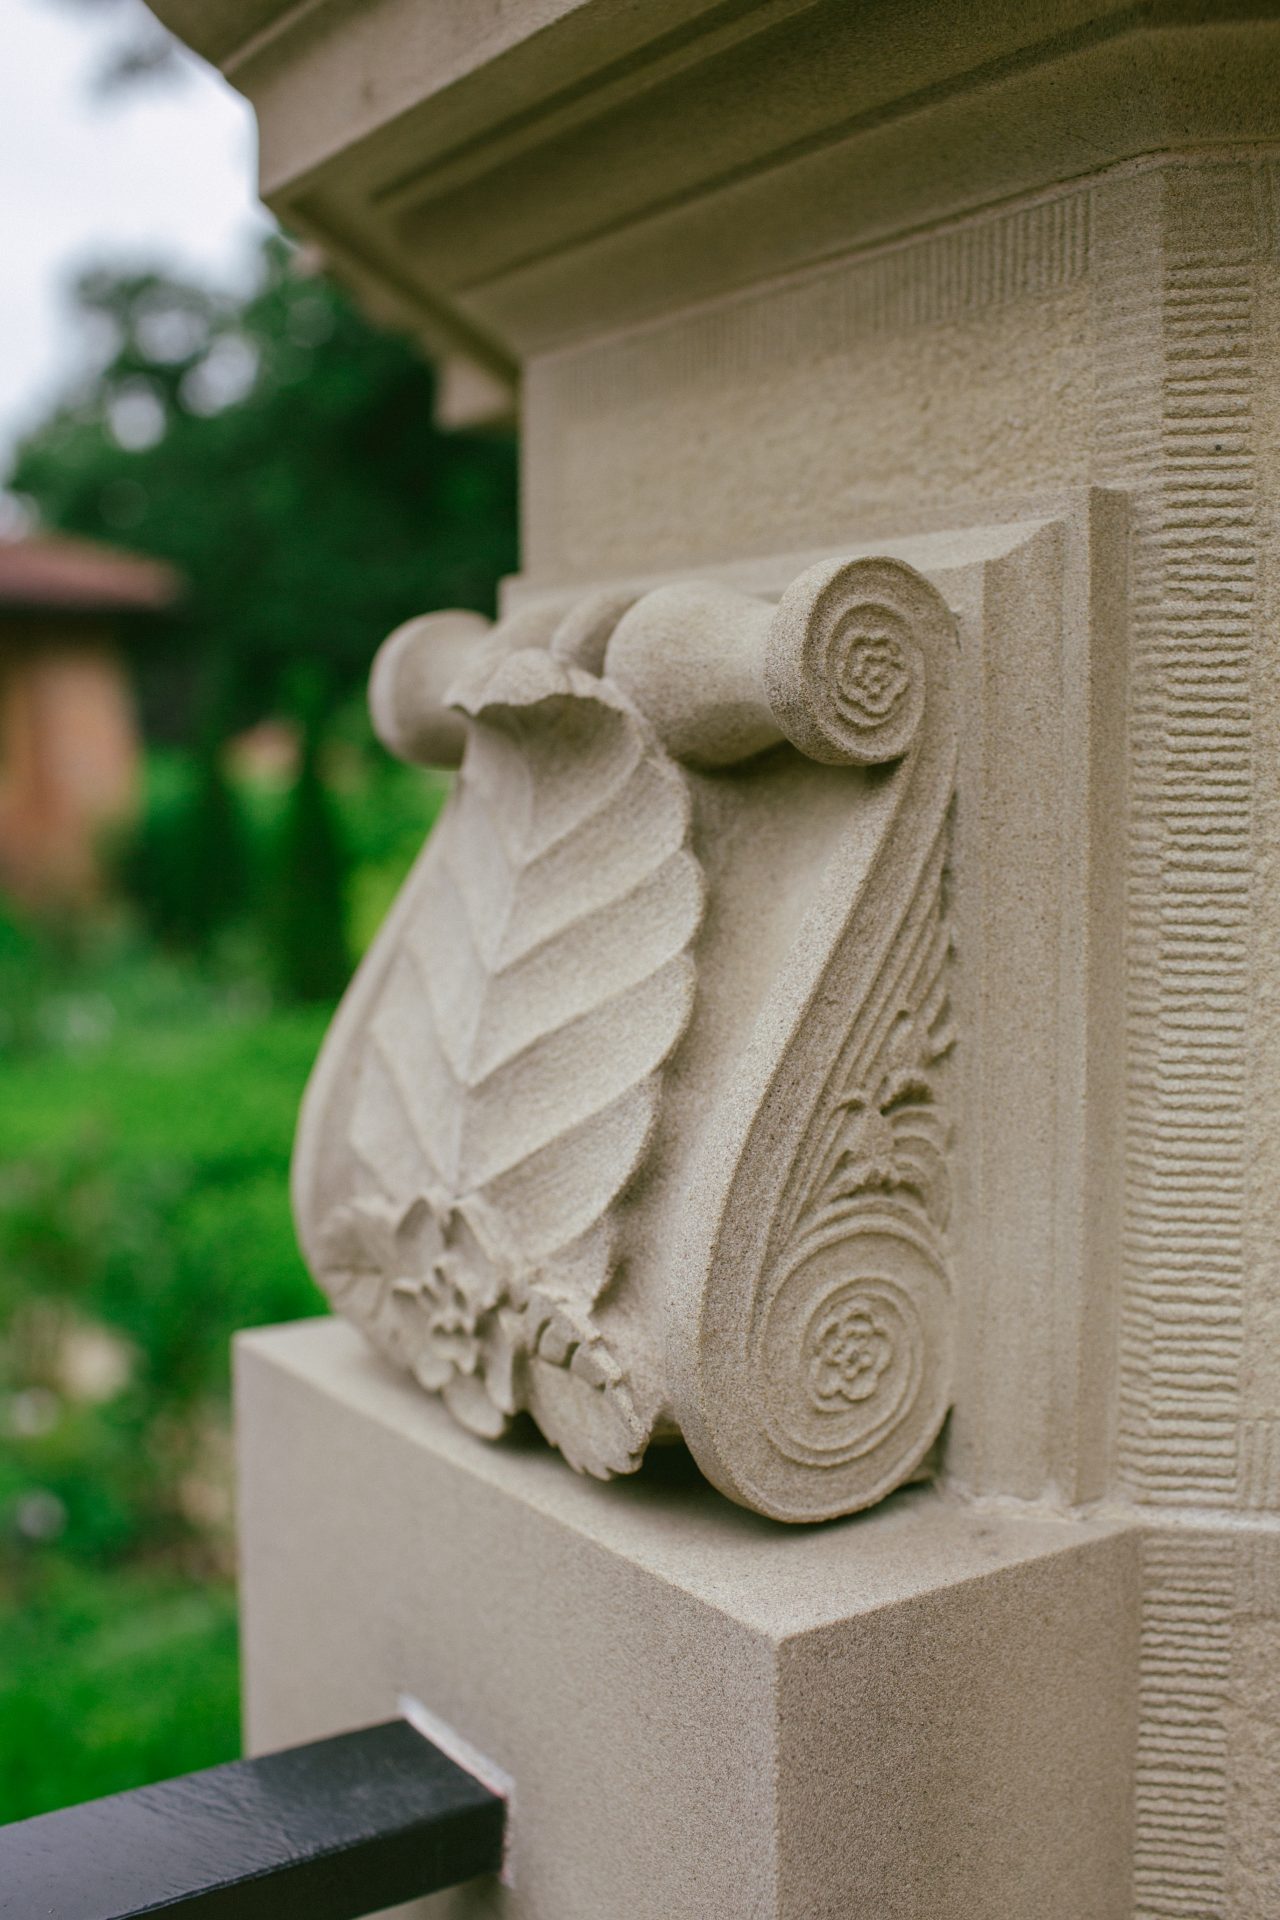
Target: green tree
x,y
309,945
283,454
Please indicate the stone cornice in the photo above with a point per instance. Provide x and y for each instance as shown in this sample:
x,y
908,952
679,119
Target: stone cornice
x,y
567,169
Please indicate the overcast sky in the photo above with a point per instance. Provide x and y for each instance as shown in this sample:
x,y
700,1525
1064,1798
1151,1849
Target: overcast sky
x,y
161,173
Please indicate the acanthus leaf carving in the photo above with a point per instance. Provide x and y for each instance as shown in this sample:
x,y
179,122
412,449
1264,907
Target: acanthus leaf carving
x,y
843,1151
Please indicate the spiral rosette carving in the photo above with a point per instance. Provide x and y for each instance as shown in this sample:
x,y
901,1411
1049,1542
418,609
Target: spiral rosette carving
x,y
852,1354
845,672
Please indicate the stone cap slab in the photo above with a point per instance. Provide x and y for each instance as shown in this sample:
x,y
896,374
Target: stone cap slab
x,y
694,1714
775,1581
508,181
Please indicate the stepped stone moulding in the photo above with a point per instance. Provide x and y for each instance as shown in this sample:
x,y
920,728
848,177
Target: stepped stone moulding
x,y
635,1117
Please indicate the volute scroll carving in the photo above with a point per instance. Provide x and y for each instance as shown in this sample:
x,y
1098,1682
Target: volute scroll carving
x,y
635,1116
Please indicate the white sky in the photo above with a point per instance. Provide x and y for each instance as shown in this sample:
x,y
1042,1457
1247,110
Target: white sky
x,y
161,174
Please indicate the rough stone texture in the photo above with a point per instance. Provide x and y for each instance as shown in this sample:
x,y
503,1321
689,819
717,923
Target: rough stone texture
x,y
705,1716
786,282
577,1146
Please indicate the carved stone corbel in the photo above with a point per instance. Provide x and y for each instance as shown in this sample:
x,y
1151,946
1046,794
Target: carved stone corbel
x,y
635,1115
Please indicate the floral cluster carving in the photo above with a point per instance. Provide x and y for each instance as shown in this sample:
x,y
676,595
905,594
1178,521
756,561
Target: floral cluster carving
x,y
430,1284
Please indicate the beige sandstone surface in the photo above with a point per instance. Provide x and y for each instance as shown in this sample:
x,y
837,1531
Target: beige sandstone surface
x,y
988,300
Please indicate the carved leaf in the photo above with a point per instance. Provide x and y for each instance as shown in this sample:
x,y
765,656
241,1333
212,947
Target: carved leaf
x,y
546,975
513,1058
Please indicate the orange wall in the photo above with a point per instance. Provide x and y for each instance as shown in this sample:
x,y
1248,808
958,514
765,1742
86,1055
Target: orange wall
x,y
68,758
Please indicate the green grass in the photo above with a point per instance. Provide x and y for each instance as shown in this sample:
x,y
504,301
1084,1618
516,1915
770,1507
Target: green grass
x,y
112,1680
144,1205
200,1089
147,1109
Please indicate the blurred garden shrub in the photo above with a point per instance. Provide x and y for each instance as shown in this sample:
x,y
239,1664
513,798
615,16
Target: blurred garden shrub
x,y
145,1126
284,456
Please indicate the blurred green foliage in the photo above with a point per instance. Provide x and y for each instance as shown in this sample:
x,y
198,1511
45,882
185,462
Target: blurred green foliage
x,y
308,935
148,1100
145,1126
283,455
187,862
300,868
111,1680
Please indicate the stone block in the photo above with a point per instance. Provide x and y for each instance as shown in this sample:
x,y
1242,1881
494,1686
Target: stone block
x,y
928,1710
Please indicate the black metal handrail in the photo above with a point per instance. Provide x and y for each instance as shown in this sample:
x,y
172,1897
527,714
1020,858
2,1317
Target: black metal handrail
x,y
331,1831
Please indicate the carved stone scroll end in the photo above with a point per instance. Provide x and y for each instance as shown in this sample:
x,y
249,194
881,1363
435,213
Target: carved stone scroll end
x,y
485,1114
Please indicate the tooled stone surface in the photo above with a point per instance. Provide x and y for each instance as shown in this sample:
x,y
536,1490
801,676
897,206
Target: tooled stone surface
x,y
479,1177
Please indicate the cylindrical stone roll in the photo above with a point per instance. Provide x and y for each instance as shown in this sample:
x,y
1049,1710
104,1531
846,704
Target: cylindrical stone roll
x,y
412,672
844,673
691,656
834,668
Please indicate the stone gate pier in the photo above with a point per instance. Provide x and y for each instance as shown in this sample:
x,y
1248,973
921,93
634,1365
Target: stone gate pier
x,y
822,1080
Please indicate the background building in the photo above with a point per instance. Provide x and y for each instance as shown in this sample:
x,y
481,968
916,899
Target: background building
x,y
68,735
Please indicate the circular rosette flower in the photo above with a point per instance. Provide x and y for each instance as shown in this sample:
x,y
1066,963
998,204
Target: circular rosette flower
x,y
853,1348
874,674
430,1284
